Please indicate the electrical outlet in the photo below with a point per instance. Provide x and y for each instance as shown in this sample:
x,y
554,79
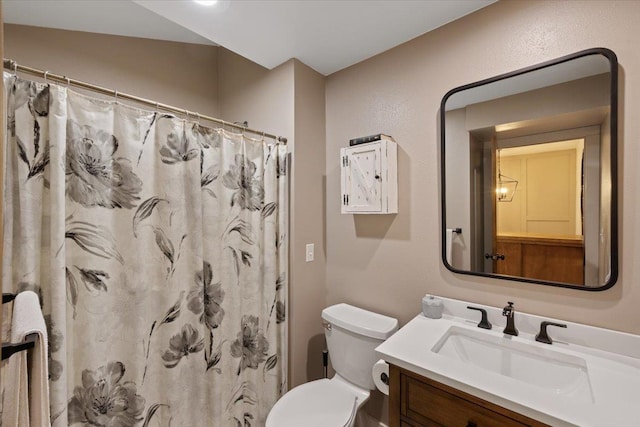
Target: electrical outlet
x,y
310,252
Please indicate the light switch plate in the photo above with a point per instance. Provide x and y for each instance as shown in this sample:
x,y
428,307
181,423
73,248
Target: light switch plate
x,y
310,252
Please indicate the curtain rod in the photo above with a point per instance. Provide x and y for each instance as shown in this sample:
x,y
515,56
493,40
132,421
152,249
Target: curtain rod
x,y
46,75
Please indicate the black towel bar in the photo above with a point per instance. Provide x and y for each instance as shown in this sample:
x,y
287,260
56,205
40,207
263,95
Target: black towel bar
x,y
9,350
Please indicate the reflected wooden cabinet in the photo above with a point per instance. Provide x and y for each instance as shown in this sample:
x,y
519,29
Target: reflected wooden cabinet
x,y
416,401
559,258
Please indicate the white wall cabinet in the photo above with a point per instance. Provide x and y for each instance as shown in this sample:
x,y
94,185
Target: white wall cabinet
x,y
369,183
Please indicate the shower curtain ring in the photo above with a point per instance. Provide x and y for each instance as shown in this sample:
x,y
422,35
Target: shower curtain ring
x,y
68,81
157,106
45,76
115,95
198,118
13,67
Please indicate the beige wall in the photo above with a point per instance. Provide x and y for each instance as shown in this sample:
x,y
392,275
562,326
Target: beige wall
x,y
179,74
247,91
459,187
388,264
308,279
289,100
568,99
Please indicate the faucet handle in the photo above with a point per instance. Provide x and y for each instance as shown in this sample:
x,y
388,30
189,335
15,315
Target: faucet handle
x,y
543,336
508,309
484,322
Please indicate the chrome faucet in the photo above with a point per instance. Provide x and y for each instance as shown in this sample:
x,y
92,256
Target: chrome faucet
x,y
508,311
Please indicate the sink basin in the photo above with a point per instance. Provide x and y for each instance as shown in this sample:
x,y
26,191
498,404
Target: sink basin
x,y
555,372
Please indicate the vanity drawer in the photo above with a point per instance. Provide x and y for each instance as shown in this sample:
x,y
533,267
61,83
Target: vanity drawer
x,y
424,402
443,408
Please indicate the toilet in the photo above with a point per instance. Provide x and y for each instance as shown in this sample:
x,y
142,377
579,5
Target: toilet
x,y
352,335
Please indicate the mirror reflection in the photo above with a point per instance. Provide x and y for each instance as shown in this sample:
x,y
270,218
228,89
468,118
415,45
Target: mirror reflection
x,y
528,167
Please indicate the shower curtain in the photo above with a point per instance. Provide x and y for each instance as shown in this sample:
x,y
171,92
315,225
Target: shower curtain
x,y
159,248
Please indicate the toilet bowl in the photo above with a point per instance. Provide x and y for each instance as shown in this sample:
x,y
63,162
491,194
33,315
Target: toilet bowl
x,y
352,335
321,403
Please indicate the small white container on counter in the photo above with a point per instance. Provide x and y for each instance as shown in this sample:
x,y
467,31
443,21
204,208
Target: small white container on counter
x,y
432,307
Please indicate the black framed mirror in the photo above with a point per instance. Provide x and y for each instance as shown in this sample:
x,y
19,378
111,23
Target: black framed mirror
x,y
529,174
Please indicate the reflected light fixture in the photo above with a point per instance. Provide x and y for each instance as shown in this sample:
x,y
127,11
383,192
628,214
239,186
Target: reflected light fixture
x,y
506,186
206,2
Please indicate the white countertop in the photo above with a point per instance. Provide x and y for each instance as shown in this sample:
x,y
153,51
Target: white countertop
x,y
612,360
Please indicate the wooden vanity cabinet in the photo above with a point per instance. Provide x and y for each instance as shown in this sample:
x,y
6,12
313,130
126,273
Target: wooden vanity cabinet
x,y
416,401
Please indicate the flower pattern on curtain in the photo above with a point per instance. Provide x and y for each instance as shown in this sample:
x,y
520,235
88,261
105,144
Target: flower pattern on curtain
x,y
159,248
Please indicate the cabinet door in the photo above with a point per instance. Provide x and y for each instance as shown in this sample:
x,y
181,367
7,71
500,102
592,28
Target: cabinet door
x,y
361,179
418,401
432,406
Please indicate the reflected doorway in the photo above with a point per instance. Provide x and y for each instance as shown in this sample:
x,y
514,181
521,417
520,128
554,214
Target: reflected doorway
x,y
539,228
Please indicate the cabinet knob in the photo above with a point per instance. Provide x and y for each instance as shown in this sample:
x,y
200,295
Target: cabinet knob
x,y
377,177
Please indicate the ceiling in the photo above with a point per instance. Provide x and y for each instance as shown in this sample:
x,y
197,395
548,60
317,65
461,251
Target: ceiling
x,y
327,35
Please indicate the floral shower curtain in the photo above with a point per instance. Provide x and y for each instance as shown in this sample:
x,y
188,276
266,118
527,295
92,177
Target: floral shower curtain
x,y
159,248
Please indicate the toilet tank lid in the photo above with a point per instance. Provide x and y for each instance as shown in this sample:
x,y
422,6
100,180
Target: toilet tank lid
x,y
360,321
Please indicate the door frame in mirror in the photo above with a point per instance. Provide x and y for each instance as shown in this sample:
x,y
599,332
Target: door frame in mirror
x,y
613,62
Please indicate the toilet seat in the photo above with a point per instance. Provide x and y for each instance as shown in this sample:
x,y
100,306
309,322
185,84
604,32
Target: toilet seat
x,y
321,403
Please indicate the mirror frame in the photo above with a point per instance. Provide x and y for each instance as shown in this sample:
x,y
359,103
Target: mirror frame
x,y
613,62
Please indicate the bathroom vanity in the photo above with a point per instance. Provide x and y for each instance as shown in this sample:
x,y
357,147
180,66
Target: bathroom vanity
x,y
419,401
529,184
450,372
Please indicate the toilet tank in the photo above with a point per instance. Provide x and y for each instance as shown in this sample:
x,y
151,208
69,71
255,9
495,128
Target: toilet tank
x,y
352,338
